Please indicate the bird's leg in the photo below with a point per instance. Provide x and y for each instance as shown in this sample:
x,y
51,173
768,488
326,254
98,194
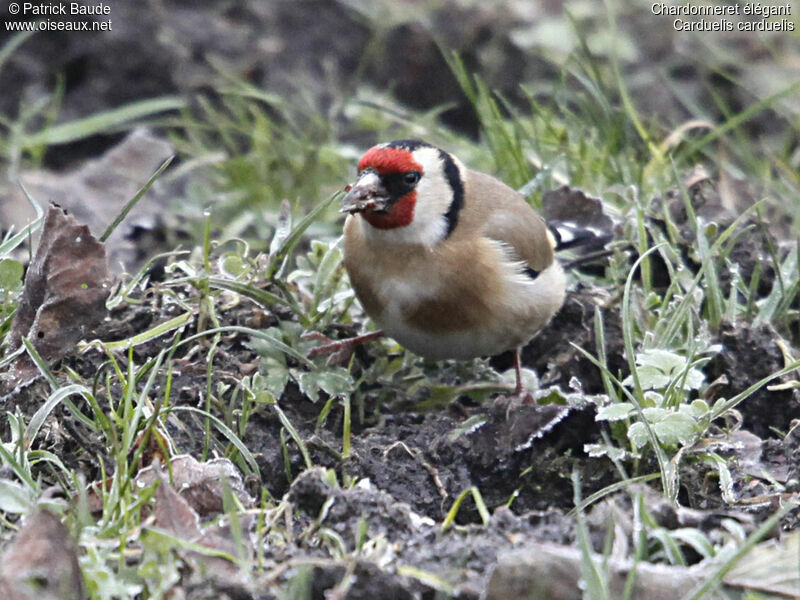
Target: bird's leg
x,y
518,370
520,396
340,351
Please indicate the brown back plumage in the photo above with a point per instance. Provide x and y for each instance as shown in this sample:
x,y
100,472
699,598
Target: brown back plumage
x,y
500,213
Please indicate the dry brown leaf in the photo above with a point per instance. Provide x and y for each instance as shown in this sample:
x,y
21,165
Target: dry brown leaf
x,y
201,484
173,514
97,191
64,297
555,572
42,563
770,568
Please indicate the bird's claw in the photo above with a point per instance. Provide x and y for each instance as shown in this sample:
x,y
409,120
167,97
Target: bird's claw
x,y
512,402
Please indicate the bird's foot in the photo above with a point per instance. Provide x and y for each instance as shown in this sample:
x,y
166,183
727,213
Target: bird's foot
x,y
512,402
339,351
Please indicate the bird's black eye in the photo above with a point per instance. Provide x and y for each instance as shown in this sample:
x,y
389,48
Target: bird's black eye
x,y
411,178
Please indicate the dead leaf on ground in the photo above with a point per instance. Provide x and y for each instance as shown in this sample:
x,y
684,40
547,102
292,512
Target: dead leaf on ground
x,y
555,572
201,484
173,514
551,571
97,191
41,563
770,568
64,297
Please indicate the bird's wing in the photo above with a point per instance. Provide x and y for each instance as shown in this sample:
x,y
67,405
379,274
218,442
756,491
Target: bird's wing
x,y
503,215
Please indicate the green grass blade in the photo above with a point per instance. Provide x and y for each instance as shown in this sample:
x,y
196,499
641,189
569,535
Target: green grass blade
x,y
12,44
40,363
227,432
132,202
740,118
638,392
595,579
724,407
293,433
479,503
291,240
39,417
610,489
26,231
145,336
101,122
257,295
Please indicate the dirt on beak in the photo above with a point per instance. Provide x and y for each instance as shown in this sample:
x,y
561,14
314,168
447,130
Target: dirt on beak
x,y
367,195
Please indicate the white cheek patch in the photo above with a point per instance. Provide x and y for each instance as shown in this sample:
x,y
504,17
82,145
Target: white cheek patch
x,y
434,193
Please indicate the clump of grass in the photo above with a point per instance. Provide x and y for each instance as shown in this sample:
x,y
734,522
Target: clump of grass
x,y
264,150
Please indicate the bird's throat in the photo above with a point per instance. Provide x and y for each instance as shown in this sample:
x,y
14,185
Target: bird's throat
x,y
400,214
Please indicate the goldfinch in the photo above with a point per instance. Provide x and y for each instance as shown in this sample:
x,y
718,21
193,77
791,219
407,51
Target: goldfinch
x,y
449,262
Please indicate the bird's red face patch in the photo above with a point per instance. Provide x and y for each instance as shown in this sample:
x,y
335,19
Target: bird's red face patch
x,y
389,161
400,214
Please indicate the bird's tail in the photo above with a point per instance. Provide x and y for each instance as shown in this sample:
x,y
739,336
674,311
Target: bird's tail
x,y
570,235
579,223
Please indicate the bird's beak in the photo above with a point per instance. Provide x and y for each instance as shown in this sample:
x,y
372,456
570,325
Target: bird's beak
x,y
367,195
